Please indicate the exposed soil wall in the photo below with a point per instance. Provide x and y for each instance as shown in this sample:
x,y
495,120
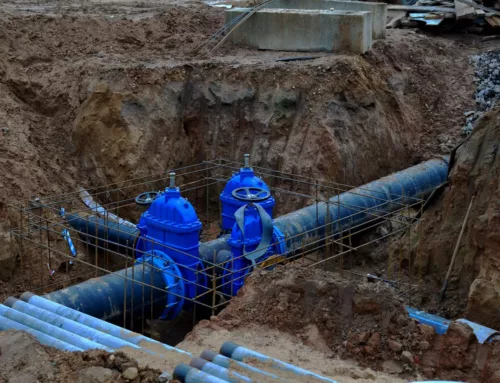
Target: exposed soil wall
x,y
476,272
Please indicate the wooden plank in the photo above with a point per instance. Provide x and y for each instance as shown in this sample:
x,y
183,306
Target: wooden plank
x,y
418,8
486,9
494,21
464,11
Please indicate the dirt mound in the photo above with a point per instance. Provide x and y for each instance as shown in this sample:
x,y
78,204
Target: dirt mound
x,y
23,359
365,322
308,302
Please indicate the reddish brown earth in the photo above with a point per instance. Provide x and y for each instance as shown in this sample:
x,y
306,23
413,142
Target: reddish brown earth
x,y
341,319
473,287
122,95
23,359
99,92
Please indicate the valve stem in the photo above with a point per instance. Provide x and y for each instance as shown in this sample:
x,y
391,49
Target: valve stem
x,y
172,180
247,160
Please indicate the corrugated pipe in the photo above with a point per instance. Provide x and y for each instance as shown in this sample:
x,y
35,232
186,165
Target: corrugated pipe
x,y
384,195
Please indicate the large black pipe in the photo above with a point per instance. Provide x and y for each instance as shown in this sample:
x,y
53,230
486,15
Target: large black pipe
x,y
103,297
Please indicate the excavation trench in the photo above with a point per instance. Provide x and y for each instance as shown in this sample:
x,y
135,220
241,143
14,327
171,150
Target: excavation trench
x,y
125,97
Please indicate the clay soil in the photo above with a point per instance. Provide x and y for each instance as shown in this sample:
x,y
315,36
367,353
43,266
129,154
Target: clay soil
x,y
100,91
23,359
343,329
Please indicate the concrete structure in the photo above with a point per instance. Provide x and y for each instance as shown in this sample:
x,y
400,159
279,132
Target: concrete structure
x,y
304,30
379,10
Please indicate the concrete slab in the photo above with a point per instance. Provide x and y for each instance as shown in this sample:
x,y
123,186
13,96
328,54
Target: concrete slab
x,y
379,10
304,30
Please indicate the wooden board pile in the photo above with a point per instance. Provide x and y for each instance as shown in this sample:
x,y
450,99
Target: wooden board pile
x,y
473,16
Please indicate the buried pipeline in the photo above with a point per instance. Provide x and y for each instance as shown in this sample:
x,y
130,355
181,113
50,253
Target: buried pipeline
x,y
171,265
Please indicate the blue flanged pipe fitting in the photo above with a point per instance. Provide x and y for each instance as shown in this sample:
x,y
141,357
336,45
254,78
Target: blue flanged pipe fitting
x,y
253,240
172,277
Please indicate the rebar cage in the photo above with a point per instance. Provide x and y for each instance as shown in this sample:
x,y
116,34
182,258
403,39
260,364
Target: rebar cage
x,y
47,262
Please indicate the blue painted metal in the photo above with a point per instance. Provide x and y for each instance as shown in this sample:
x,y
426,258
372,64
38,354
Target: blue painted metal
x,y
229,363
244,178
97,324
219,371
67,238
107,234
67,324
172,278
247,246
237,352
103,297
299,227
51,330
171,227
8,324
188,374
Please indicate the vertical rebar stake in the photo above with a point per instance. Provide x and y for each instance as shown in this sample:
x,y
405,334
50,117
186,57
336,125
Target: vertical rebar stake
x,y
327,235
21,246
125,294
142,283
40,210
206,191
132,297
214,284
96,244
317,208
410,263
341,239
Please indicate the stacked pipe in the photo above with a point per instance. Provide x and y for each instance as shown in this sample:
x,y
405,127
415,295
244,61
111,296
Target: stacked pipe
x,y
70,330
230,366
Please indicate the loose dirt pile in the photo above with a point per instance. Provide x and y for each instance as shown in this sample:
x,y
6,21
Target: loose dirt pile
x,y
340,319
23,359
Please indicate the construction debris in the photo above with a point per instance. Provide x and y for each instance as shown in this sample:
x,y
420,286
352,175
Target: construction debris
x,y
487,78
467,15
